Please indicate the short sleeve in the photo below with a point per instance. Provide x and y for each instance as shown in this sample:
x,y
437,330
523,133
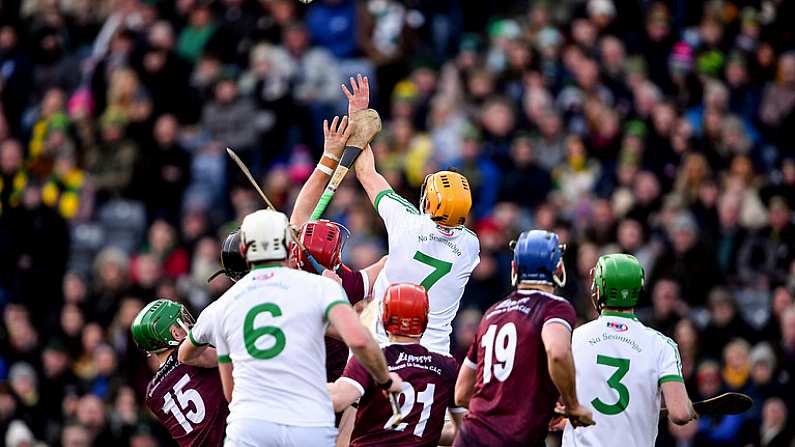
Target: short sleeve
x,y
356,375
203,331
393,209
669,363
471,359
354,284
222,349
331,294
562,312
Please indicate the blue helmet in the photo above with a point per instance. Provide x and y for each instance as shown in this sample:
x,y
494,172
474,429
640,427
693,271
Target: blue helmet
x,y
538,259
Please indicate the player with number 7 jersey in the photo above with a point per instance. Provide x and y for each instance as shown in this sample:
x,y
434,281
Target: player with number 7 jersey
x,y
428,246
431,248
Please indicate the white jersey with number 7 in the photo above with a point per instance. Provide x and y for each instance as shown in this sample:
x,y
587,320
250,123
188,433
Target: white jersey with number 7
x,y
441,259
620,366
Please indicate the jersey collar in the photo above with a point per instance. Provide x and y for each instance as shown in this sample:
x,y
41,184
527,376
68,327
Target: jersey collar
x,y
619,314
263,267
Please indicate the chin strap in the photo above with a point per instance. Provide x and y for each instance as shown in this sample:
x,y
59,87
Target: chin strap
x,y
560,281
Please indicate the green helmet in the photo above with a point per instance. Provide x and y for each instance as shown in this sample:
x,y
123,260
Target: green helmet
x,y
617,281
151,328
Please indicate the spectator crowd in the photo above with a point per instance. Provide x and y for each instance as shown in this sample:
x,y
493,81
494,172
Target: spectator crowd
x,y
658,128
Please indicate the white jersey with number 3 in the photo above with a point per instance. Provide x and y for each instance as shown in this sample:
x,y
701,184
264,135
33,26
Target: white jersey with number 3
x,y
620,366
270,325
441,259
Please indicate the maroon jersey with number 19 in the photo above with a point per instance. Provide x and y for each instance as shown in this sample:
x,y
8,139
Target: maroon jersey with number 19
x,y
514,397
189,402
428,382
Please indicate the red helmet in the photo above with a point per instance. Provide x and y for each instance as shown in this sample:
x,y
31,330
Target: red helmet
x,y
324,241
405,310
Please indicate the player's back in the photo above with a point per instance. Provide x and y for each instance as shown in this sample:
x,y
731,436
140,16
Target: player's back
x,y
441,259
428,382
271,327
620,366
514,397
189,402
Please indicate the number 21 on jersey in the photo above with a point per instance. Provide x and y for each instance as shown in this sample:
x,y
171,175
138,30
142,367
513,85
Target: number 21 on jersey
x,y
425,397
185,397
499,345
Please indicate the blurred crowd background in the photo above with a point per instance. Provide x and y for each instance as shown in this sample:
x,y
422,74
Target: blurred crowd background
x,y
663,129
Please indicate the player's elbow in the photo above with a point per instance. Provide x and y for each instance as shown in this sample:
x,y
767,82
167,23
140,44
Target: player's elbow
x,y
461,397
358,339
679,415
183,354
557,355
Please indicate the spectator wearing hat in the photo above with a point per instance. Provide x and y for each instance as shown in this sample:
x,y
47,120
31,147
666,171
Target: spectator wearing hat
x,y
687,260
725,323
766,256
764,380
525,183
24,384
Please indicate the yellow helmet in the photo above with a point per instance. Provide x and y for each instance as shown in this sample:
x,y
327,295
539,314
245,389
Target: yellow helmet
x,y
445,196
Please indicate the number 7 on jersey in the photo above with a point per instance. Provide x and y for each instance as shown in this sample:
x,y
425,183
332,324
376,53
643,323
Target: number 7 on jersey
x,y
440,268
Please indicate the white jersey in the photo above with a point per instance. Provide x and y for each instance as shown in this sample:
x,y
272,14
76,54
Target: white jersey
x,y
422,252
620,366
270,325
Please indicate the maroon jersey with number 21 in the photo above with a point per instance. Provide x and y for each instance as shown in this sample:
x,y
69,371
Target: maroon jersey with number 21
x,y
189,402
514,397
428,382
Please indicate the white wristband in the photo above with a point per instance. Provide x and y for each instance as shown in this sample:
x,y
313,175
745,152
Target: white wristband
x,y
324,169
331,156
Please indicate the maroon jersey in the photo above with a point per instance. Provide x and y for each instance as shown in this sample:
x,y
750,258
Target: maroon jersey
x,y
428,382
337,351
189,402
514,397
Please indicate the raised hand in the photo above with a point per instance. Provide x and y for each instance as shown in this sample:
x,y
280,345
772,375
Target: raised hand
x,y
335,136
360,98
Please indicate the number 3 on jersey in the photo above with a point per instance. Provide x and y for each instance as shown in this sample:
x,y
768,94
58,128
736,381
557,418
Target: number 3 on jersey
x,y
502,346
185,398
440,268
614,382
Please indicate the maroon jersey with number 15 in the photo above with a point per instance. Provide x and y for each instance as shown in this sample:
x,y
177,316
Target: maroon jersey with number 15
x,y
189,402
514,397
428,382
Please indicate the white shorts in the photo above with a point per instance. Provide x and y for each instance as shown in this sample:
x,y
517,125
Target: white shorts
x,y
256,433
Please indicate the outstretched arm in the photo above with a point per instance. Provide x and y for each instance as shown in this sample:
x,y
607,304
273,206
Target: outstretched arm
x,y
358,100
335,136
372,181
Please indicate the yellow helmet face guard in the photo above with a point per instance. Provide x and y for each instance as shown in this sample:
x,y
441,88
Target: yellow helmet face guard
x,y
446,197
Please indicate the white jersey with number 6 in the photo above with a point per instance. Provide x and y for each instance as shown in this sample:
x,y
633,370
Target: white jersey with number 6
x,y
441,259
270,325
620,366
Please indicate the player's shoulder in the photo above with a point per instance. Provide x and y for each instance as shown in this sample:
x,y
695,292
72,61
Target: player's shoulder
x,y
587,330
395,199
